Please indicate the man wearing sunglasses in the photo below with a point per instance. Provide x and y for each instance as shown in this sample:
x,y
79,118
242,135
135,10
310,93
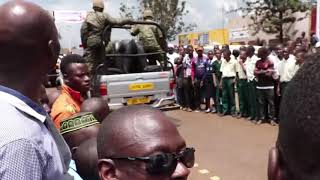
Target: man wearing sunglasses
x,y
296,155
140,142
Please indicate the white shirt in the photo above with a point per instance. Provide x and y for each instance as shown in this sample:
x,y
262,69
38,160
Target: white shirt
x,y
187,62
287,69
250,66
241,73
296,68
172,57
276,62
229,69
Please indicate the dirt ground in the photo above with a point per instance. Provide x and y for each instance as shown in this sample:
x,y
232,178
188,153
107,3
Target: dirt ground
x,y
226,148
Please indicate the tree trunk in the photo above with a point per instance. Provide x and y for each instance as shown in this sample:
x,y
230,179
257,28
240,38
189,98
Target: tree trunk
x,y
281,39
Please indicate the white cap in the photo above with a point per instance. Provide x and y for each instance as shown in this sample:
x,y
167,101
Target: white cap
x,y
170,46
317,45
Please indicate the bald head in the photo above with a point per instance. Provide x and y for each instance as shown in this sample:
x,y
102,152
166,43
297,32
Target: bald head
x,y
29,30
97,106
86,159
29,46
140,129
74,139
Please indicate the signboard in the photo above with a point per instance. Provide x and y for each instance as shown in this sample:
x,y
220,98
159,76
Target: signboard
x,y
70,16
203,39
239,33
183,40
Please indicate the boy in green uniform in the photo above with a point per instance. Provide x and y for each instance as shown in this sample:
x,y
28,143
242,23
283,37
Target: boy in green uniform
x,y
250,65
243,85
229,72
217,78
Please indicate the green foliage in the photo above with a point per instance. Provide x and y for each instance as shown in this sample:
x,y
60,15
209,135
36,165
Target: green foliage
x,y
168,14
274,16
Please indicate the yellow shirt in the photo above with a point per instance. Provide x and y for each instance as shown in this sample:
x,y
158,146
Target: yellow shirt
x,y
228,69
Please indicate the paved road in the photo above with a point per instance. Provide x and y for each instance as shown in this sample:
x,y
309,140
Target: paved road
x,y
228,148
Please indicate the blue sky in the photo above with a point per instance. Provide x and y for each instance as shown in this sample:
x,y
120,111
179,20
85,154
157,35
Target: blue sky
x,y
207,14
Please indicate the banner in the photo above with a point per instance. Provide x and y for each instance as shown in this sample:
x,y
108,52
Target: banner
x,y
239,33
70,16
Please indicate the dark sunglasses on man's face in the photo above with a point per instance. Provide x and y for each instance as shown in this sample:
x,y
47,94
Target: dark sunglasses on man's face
x,y
164,163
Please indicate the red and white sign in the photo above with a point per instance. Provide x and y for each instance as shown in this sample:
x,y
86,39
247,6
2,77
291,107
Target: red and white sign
x,y
70,16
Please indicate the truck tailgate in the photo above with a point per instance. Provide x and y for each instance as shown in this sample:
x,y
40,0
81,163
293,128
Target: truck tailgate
x,y
136,85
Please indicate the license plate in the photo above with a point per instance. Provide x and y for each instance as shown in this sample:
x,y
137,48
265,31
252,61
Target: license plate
x,y
134,101
141,86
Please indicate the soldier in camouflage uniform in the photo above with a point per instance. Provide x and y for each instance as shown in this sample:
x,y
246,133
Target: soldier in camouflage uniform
x,y
151,38
92,31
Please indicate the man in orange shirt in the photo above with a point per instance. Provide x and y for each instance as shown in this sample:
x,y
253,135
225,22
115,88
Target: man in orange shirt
x,y
76,84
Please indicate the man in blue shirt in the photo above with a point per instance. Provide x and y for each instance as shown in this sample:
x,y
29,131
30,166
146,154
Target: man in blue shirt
x,y
199,70
30,146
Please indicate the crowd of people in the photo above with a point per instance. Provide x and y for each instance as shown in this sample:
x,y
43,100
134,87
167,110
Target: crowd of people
x,y
66,135
253,80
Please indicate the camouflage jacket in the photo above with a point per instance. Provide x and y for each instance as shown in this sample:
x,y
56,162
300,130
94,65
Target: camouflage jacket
x,y
149,35
93,28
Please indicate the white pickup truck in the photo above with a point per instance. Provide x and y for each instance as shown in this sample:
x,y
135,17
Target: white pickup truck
x,y
155,88
147,87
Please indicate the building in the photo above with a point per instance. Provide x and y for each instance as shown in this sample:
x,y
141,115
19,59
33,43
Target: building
x,y
241,33
238,32
217,36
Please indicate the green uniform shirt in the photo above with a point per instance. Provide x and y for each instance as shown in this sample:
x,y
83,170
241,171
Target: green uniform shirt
x,y
216,67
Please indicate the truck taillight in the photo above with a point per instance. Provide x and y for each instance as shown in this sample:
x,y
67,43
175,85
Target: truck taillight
x,y
103,89
171,85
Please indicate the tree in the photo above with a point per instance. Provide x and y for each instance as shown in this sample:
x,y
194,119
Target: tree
x,y
168,14
274,16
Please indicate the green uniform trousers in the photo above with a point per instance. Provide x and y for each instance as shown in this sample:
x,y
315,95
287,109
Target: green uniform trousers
x,y
253,104
243,92
283,87
218,98
228,95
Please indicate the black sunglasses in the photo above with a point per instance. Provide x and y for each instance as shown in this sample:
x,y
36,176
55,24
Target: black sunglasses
x,y
164,163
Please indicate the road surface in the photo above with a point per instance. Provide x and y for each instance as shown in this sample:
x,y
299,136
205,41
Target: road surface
x,y
226,148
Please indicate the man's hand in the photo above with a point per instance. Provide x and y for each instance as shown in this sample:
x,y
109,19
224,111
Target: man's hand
x,y
269,72
201,84
241,62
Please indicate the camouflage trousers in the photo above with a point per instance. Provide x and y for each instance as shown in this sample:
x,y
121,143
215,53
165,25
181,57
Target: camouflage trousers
x,y
153,58
94,57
